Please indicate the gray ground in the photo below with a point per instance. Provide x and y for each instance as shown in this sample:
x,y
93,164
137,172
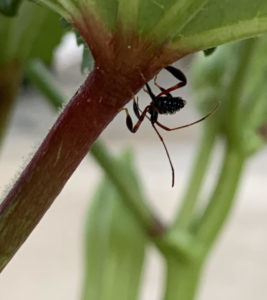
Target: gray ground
x,y
49,265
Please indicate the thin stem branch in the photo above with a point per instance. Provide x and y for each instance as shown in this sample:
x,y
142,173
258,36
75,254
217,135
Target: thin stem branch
x,y
132,198
40,77
197,177
233,96
182,279
222,198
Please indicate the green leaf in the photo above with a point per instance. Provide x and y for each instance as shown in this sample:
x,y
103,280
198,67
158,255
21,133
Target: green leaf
x,y
115,246
35,32
183,25
151,13
192,25
239,86
49,37
17,34
9,7
107,9
212,23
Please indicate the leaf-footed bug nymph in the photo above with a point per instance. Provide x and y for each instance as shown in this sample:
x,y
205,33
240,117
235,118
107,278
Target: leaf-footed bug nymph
x,y
163,103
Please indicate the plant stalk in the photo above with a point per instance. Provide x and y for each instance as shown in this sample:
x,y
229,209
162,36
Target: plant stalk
x,y
93,106
44,81
182,279
222,198
132,198
200,166
184,286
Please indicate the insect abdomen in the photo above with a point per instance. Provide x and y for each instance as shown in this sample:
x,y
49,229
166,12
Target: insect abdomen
x,y
167,105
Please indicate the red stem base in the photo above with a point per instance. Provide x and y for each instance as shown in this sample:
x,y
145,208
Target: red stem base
x,y
93,106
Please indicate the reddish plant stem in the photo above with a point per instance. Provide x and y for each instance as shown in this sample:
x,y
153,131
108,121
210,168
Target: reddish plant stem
x,y
84,118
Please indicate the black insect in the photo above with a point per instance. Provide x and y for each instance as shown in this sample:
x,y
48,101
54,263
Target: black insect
x,y
163,103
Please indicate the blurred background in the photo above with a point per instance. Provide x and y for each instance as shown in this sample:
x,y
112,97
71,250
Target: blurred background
x,y
50,263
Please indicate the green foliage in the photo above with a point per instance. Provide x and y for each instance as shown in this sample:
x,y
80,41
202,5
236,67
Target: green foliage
x,y
9,7
247,98
115,245
48,37
186,25
202,24
217,22
151,12
107,9
35,32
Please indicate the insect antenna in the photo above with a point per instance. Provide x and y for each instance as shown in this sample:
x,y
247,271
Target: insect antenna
x,y
167,152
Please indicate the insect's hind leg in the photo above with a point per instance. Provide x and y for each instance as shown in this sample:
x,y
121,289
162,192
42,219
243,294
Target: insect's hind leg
x,y
160,87
136,108
178,75
189,124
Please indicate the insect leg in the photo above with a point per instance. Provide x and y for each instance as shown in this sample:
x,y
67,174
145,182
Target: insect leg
x,y
136,108
129,122
167,152
177,74
150,93
189,124
161,88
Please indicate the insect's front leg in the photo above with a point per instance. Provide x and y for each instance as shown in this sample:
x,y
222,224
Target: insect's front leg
x,y
129,122
136,108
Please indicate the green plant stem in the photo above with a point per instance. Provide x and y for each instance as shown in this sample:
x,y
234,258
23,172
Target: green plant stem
x,y
10,79
40,77
194,185
119,177
232,107
222,198
166,241
210,223
181,280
